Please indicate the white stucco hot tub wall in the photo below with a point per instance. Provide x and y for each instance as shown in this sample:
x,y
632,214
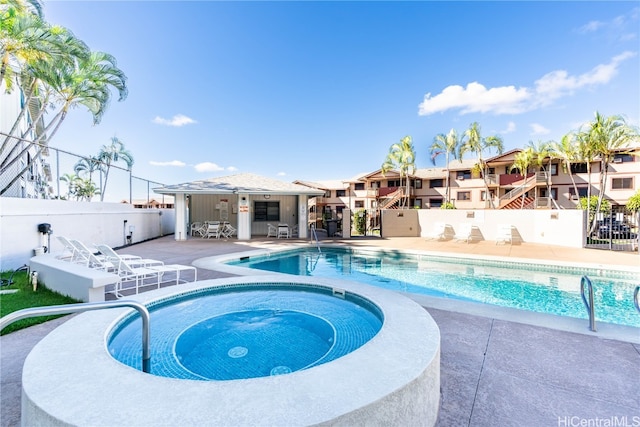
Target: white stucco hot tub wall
x,y
70,379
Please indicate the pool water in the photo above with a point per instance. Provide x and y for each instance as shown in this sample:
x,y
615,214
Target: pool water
x,y
543,289
242,332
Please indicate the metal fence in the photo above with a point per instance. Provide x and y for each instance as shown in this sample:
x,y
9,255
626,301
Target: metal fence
x,y
52,177
615,230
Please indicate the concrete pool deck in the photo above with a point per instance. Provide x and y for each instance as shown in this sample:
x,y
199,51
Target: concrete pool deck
x,y
493,371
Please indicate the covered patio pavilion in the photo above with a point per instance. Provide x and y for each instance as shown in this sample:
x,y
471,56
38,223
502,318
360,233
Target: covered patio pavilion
x,y
247,201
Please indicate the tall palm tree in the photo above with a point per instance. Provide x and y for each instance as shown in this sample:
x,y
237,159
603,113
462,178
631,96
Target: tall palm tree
x,y
606,137
88,82
567,151
447,145
521,163
540,154
72,181
110,154
403,157
473,142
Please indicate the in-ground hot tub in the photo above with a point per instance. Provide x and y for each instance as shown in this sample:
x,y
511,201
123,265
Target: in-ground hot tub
x,y
392,377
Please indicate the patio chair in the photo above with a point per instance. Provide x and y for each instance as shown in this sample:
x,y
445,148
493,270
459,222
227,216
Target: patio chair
x,y
197,228
131,260
504,234
213,230
272,231
88,258
465,232
294,231
68,249
137,275
228,230
439,231
175,269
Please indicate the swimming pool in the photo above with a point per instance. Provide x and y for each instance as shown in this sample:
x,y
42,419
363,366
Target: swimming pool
x,y
551,289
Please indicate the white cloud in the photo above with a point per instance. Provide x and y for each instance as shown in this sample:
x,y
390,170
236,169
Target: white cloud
x,y
476,98
591,27
177,121
538,129
511,127
232,168
509,100
171,163
281,174
622,27
208,167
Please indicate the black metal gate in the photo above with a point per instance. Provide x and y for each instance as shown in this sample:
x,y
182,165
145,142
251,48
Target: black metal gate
x,y
616,230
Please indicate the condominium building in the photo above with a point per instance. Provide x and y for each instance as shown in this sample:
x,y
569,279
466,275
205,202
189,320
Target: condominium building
x,y
552,186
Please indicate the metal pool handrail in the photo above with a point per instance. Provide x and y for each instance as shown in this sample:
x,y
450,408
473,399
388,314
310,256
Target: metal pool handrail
x,y
76,308
589,304
636,300
315,236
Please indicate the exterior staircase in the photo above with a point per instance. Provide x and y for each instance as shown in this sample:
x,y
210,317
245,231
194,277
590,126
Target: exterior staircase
x,y
516,194
529,203
393,198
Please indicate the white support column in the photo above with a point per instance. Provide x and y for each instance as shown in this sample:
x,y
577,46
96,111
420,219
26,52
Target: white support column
x,y
244,217
302,216
181,217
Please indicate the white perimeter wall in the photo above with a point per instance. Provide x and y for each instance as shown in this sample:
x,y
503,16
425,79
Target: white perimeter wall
x,y
89,222
564,227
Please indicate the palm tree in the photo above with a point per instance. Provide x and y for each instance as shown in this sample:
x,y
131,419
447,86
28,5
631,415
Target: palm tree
x,y
606,137
475,143
402,156
567,151
72,181
86,189
540,153
87,82
110,154
447,145
521,163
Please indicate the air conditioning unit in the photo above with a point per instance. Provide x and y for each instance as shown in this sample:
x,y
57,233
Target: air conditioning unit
x,y
460,178
617,160
31,177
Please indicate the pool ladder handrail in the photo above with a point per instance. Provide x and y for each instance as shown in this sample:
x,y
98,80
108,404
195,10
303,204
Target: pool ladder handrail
x,y
636,300
314,235
80,307
588,304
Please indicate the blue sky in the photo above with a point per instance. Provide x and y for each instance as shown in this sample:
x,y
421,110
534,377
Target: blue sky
x,y
321,90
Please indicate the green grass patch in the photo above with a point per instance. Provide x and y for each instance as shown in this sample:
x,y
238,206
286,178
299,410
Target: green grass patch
x,y
26,297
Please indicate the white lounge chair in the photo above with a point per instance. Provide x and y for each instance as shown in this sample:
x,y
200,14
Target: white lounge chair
x,y
68,249
131,260
504,234
465,232
439,231
84,255
138,275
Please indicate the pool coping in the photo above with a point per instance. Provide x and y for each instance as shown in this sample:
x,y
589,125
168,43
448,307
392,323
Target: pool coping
x,y
399,366
568,324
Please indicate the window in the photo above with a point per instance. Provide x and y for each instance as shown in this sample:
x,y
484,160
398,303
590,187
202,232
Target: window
x,y
416,183
578,168
359,204
339,210
393,183
622,158
359,186
463,195
327,194
435,183
417,203
554,193
492,171
341,193
464,174
621,183
327,210
553,169
435,203
266,211
582,192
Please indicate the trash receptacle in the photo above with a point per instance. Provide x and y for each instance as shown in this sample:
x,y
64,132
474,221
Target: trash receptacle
x,y
332,227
